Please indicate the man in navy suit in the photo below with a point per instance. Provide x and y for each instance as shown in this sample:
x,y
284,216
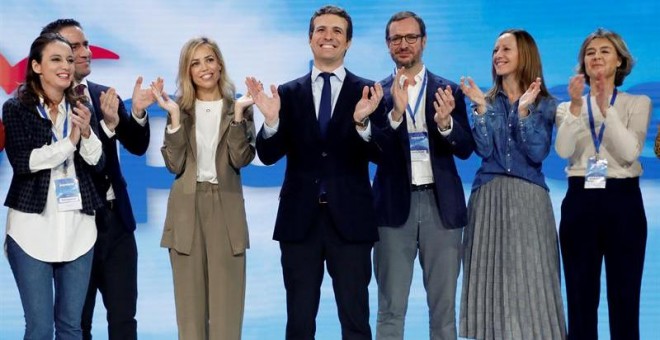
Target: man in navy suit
x,y
320,122
114,270
418,193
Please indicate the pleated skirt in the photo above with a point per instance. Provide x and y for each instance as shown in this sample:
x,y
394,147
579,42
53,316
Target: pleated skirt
x,y
511,279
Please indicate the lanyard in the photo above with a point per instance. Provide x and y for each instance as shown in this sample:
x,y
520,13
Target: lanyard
x,y
65,129
597,138
419,100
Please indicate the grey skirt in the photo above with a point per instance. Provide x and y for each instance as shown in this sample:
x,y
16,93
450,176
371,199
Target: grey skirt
x,y
511,280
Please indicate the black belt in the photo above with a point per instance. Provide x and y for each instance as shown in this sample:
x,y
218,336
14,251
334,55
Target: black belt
x,y
110,204
422,187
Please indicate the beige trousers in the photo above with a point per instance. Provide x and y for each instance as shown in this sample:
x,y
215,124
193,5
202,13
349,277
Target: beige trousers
x,y
209,284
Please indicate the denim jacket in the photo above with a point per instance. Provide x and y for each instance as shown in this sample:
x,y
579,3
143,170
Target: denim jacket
x,y
513,146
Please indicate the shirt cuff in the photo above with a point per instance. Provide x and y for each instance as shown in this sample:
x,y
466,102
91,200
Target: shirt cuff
x,y
448,131
142,121
107,131
171,130
394,124
270,131
366,133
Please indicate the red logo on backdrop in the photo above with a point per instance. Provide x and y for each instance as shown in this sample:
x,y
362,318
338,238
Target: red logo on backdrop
x,y
12,76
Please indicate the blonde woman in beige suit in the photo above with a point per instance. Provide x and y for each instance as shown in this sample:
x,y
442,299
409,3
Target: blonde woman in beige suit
x,y
209,137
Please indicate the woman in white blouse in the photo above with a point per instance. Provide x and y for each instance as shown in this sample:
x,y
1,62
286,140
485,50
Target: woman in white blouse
x,y
210,136
602,216
53,150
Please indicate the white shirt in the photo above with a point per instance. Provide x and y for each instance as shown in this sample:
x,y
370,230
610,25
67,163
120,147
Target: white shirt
x,y
626,124
207,130
421,170
55,236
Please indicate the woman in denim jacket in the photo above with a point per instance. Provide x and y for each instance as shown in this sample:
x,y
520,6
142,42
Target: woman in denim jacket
x,y
511,283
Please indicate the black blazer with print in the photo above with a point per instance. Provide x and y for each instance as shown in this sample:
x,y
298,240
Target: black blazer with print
x,y
26,130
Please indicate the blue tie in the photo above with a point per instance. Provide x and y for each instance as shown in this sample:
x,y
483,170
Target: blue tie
x,y
325,108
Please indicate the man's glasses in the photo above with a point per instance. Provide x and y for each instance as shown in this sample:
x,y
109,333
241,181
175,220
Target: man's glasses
x,y
410,38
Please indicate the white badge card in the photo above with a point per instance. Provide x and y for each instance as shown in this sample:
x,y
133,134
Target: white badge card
x,y
67,191
596,175
419,146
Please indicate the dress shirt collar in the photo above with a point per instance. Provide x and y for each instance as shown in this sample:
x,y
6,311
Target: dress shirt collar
x,y
339,72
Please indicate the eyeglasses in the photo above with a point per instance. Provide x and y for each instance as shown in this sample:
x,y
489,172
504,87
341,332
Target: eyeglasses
x,y
410,38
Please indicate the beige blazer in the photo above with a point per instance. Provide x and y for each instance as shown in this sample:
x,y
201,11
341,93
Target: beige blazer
x,y
235,150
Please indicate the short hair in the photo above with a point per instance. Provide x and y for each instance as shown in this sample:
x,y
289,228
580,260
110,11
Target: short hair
x,y
57,25
627,61
529,65
338,11
186,93
30,91
405,15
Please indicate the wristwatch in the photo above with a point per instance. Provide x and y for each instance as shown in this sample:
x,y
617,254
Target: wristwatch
x,y
363,123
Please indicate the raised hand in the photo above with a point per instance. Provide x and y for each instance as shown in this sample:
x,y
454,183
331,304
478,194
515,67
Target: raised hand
x,y
142,98
80,120
269,106
529,97
444,104
240,105
367,105
399,92
601,95
474,93
109,108
575,91
168,105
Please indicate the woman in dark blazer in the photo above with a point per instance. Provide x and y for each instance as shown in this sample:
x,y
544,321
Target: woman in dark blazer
x,y
53,150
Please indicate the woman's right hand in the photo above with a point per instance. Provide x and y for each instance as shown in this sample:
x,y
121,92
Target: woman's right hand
x,y
167,104
475,94
575,90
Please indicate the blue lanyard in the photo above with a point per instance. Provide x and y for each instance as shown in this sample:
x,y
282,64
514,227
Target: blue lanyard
x,y
419,100
65,129
598,139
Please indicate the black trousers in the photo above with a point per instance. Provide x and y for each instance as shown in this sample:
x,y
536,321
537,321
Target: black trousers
x,y
603,223
114,274
349,266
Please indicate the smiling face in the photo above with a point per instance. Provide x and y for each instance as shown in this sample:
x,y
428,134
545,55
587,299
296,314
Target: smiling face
x,y
601,59
83,55
205,70
329,41
55,69
403,53
505,55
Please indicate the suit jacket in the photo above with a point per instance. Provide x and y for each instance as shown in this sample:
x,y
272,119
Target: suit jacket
x,y
235,150
27,130
134,137
340,161
392,183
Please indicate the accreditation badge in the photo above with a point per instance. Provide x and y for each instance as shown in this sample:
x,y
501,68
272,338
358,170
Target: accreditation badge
x,y
419,146
596,174
67,191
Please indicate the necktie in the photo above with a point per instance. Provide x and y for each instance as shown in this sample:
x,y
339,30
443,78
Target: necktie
x,y
79,89
325,108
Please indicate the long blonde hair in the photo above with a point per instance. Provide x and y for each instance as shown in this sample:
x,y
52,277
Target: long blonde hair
x,y
185,86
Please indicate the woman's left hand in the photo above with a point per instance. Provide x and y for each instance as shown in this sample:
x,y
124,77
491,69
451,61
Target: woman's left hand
x,y
240,105
81,118
529,97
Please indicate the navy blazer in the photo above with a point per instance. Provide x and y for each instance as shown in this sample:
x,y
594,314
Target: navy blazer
x,y
392,183
134,137
26,130
340,161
